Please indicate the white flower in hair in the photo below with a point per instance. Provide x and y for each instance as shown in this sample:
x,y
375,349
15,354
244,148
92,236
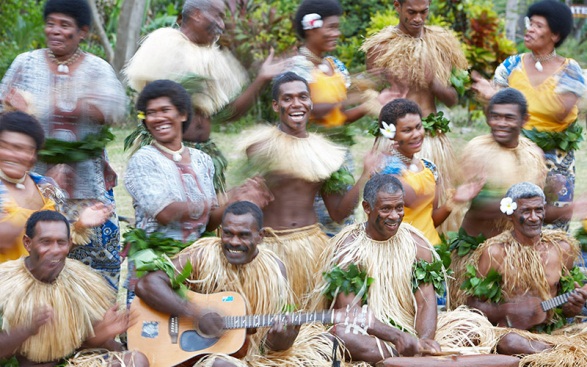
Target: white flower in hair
x,y
507,206
311,21
527,23
387,131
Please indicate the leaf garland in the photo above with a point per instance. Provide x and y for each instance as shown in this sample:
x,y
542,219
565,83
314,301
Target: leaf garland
x,y
351,280
373,128
151,252
581,236
460,80
92,146
343,135
486,288
137,239
338,182
565,140
443,249
425,272
9,362
436,123
464,243
568,281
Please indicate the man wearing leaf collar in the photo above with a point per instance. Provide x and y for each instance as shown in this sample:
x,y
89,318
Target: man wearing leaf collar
x,y
528,265
298,165
391,267
235,262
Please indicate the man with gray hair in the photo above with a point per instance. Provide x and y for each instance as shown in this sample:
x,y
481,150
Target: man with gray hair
x,y
190,55
510,276
391,267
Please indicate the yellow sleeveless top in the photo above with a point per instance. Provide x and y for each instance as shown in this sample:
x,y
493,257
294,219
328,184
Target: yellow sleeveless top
x,y
17,217
329,89
543,100
424,185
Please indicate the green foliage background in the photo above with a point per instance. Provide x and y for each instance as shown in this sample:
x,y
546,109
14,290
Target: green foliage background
x,y
253,27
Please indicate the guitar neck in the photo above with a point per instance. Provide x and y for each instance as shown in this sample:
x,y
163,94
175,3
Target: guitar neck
x,y
255,321
555,302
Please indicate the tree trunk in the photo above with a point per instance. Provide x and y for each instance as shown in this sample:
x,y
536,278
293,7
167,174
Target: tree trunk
x,y
129,31
101,32
511,19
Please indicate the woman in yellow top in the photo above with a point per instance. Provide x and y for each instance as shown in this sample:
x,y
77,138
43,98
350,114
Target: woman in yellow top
x,y
22,192
552,85
317,24
401,121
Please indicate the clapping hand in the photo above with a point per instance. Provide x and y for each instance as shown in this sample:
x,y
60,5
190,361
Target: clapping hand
x,y
95,215
272,67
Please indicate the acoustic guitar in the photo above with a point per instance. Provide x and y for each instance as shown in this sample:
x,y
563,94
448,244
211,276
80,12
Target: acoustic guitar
x,y
169,340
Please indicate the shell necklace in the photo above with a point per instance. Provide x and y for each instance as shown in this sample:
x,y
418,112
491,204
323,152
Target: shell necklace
x,y
408,162
63,66
540,59
18,182
318,61
175,154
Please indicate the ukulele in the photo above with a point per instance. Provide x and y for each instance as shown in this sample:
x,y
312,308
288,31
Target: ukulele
x,y
168,340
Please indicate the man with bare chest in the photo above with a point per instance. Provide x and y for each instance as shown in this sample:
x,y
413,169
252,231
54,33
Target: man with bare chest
x,y
417,61
296,166
529,265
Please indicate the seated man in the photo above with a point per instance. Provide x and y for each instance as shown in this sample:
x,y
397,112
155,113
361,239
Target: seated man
x,y
526,266
235,262
390,266
297,165
53,306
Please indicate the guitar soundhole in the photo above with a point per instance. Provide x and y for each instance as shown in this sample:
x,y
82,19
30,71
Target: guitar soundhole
x,y
191,341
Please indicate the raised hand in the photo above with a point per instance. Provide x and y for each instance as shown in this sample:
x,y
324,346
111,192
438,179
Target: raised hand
x,y
482,87
272,67
468,191
254,190
95,215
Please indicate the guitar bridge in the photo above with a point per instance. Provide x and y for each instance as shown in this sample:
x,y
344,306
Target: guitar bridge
x,y
173,328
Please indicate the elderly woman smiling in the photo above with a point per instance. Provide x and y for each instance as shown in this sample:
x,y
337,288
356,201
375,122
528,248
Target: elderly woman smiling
x,y
73,94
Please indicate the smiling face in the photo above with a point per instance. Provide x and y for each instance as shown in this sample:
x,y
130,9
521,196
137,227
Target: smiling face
x,y
506,123
164,122
409,134
539,37
294,106
18,153
412,16
62,34
528,219
324,38
384,218
204,26
47,249
240,237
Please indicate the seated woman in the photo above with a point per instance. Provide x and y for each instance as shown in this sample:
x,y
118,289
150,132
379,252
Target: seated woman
x,y
401,122
23,192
